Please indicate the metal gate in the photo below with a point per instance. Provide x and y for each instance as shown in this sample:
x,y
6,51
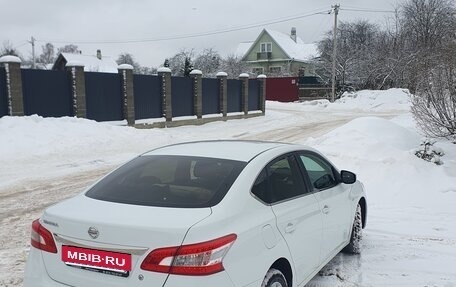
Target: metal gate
x,y
147,91
3,94
46,93
211,96
182,96
103,96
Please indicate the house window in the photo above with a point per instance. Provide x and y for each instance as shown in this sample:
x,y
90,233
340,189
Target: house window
x,y
257,70
266,47
275,70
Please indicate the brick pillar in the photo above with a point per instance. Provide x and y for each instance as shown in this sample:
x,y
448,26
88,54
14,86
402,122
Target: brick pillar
x,y
197,75
165,76
262,83
126,76
13,85
77,80
223,92
244,78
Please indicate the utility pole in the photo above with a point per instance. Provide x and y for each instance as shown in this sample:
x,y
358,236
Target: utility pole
x,y
32,41
333,90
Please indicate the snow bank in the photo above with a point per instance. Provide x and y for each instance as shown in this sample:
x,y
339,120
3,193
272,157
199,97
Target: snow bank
x,y
36,146
365,100
392,99
380,151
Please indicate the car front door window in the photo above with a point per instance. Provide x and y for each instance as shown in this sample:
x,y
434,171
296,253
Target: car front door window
x,y
320,173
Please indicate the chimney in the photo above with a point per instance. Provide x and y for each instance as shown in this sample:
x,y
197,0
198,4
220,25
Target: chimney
x,y
99,54
293,34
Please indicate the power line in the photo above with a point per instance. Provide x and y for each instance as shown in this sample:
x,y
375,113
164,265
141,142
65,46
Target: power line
x,y
194,35
21,44
367,10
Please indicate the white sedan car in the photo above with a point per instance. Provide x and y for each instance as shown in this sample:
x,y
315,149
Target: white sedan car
x,y
210,213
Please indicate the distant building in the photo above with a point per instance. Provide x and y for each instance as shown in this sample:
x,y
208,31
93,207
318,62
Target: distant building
x,y
276,53
92,63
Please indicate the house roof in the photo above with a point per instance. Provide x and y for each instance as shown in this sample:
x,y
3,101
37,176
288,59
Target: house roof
x,y
298,50
92,63
242,48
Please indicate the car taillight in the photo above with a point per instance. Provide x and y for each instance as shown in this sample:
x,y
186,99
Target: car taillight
x,y
194,259
42,238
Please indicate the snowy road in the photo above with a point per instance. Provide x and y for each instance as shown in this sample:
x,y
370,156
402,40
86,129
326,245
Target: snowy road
x,y
408,242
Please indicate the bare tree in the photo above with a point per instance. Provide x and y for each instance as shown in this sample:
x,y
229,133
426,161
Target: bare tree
x,y
177,62
147,70
8,49
233,66
355,63
71,48
429,27
48,54
426,26
127,58
208,61
434,106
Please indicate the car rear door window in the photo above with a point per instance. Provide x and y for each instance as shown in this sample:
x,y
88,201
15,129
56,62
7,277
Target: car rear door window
x,y
279,180
260,187
169,181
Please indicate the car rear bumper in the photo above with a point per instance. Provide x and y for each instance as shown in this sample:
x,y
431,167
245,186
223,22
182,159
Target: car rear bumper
x,y
220,279
37,276
35,273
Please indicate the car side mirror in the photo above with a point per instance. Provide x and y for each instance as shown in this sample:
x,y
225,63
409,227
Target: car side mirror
x,y
347,177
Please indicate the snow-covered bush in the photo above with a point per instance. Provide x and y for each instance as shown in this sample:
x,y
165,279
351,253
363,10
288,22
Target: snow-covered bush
x,y
429,152
434,106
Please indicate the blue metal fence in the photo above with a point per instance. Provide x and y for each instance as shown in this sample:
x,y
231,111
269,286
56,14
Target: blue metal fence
x,y
103,96
46,93
254,95
147,91
234,95
211,96
3,94
182,96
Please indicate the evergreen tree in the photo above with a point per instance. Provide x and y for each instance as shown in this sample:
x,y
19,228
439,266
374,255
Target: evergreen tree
x,y
188,67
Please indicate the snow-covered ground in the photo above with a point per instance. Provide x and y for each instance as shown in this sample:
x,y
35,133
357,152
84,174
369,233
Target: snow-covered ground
x,y
410,239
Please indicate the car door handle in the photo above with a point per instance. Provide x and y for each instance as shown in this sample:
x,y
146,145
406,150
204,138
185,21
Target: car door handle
x,y
325,209
290,228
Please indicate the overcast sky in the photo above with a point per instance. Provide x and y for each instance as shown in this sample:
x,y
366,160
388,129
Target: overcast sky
x,y
64,22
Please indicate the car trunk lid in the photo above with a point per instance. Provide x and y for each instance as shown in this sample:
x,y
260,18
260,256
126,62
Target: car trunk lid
x,y
99,226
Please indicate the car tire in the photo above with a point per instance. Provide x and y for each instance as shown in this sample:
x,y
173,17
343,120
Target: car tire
x,y
274,278
354,247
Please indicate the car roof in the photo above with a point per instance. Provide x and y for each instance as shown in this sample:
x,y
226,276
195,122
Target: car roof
x,y
240,150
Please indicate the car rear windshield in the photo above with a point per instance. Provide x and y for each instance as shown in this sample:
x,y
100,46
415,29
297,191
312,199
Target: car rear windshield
x,y
169,181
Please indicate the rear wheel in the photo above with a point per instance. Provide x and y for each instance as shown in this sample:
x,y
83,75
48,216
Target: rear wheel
x,y
274,278
354,246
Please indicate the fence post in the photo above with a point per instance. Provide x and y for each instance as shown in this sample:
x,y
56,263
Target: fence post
x,y
262,82
223,92
197,75
126,75
244,78
76,72
12,66
165,76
